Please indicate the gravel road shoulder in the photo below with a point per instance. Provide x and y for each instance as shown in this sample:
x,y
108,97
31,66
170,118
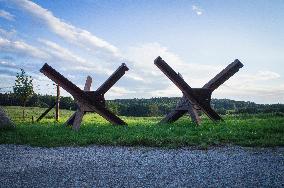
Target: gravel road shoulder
x,y
107,166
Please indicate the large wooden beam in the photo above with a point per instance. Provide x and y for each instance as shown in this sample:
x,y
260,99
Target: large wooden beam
x,y
112,79
87,87
224,75
184,104
80,95
186,89
45,112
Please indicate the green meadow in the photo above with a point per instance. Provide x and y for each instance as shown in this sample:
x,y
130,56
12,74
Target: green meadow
x,y
260,130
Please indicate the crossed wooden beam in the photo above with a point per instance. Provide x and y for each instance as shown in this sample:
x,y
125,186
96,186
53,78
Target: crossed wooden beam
x,y
87,101
195,99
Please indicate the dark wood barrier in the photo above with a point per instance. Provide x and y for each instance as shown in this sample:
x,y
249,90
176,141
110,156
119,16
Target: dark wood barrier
x,y
195,99
87,101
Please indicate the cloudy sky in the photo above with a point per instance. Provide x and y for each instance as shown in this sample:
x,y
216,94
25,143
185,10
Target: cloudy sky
x,y
197,38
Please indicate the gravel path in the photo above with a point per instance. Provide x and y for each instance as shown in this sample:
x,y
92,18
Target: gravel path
x,y
100,166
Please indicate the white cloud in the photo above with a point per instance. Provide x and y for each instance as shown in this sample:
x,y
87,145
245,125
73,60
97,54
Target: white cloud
x,y
74,62
144,79
88,69
256,92
242,86
143,56
134,76
198,11
5,64
61,53
6,82
141,60
116,91
171,90
152,82
7,15
50,52
260,76
21,48
143,68
7,34
260,86
70,33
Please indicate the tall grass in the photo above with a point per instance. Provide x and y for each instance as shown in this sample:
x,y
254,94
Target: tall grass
x,y
244,130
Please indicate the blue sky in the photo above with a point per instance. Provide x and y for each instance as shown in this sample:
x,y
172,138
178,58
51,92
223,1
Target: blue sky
x,y
197,38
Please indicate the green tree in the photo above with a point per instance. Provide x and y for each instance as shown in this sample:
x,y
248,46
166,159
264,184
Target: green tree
x,y
23,88
153,110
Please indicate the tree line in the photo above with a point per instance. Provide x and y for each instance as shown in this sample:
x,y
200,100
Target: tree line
x,y
144,107
24,95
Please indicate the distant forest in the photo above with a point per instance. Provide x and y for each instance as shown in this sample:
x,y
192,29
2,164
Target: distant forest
x,y
146,107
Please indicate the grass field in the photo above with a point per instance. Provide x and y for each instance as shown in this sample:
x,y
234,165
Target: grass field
x,y
245,130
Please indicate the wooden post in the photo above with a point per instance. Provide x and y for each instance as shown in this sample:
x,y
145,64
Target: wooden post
x,y
57,102
77,117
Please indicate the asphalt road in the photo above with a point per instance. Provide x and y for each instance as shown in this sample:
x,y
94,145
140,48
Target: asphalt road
x,y
102,166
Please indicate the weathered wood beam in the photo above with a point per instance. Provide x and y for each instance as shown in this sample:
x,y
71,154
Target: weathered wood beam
x,y
112,79
173,116
78,119
186,89
224,75
88,83
213,84
45,112
87,87
70,120
183,107
193,113
80,95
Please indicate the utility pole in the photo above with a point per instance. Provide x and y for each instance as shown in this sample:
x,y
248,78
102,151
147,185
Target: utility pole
x,y
57,102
